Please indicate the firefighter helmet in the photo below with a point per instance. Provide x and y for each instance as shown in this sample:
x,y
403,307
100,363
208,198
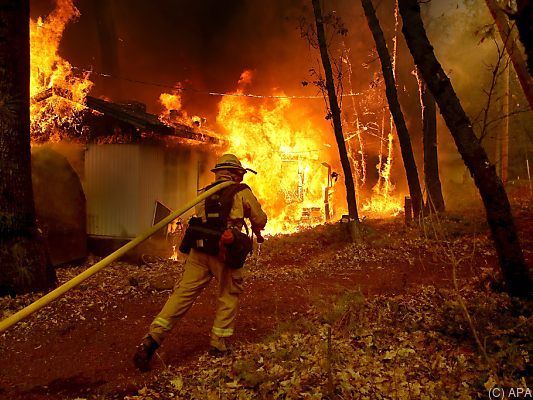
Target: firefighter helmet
x,y
228,161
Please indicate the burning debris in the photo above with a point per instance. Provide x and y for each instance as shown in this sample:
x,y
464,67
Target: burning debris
x,y
135,115
287,155
174,112
130,154
61,106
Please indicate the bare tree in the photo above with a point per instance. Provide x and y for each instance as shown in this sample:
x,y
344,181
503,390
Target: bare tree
x,y
516,274
23,263
435,201
335,113
395,108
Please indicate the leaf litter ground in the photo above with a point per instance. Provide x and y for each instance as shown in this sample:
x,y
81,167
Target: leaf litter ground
x,y
320,318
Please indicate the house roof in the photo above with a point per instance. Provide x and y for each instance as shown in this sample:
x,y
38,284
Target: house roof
x,y
139,118
135,115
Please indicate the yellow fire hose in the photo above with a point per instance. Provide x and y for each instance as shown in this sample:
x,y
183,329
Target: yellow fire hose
x,y
54,294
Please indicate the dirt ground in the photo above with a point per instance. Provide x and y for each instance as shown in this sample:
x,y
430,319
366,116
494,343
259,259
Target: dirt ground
x,y
82,345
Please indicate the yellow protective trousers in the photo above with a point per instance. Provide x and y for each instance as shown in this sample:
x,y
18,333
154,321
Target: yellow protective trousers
x,y
199,269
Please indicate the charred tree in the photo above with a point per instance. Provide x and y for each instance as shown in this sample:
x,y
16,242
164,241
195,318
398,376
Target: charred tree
x,y
523,17
435,201
394,105
498,210
508,36
335,113
23,261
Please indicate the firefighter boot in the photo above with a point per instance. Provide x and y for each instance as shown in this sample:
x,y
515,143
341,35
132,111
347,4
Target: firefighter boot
x,y
144,353
219,347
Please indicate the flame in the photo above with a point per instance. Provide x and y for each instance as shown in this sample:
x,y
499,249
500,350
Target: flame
x,y
171,101
291,179
383,202
52,74
175,254
358,164
173,108
289,156
174,113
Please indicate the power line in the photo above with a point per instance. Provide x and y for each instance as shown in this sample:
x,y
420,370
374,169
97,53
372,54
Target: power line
x,y
206,92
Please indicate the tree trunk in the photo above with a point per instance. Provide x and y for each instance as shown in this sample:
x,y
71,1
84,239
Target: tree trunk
x,y
523,17
395,108
23,261
335,113
505,128
509,39
435,201
515,271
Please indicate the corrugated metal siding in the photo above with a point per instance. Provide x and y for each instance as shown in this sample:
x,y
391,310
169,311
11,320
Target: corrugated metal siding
x,y
184,187
151,180
205,162
112,190
123,182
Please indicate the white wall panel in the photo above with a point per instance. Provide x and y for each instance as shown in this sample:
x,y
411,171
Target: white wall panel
x,y
112,189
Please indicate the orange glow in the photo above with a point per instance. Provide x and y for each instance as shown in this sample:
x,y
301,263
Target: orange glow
x,y
174,113
173,108
49,71
383,202
274,136
170,101
291,179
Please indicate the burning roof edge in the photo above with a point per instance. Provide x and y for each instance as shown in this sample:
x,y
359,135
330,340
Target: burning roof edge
x,y
136,117
148,122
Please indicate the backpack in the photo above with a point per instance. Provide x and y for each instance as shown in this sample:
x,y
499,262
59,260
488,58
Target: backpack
x,y
206,236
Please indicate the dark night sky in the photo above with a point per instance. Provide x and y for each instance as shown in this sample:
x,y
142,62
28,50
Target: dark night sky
x,y
205,44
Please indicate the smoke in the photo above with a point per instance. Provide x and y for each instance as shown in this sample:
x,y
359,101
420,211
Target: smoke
x,y
466,42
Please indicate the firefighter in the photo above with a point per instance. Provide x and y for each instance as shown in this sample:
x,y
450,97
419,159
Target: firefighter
x,y
202,265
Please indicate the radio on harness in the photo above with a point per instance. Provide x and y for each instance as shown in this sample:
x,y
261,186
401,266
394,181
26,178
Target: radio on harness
x,y
213,236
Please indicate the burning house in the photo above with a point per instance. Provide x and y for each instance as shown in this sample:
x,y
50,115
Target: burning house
x,y
125,182
132,169
128,160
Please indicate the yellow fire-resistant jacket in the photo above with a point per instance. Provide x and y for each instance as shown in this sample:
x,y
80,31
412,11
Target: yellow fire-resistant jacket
x,y
245,205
